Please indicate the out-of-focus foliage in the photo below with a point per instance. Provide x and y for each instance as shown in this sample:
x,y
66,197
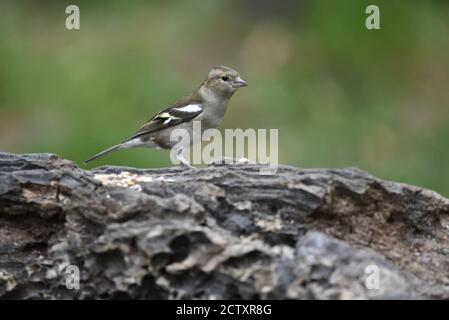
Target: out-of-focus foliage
x,y
341,95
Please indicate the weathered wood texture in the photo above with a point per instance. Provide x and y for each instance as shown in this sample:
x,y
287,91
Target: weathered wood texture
x,y
216,232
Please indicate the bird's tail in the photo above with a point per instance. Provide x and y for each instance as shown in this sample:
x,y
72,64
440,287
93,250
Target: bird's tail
x,y
104,152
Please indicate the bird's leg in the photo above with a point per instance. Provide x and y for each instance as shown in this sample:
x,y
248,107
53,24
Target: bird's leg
x,y
183,161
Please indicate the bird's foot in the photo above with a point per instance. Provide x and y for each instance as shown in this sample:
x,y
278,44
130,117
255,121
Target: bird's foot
x,y
186,165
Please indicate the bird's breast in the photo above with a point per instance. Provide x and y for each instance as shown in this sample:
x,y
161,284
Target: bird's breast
x,y
213,115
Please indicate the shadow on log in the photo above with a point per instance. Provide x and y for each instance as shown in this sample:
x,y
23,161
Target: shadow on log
x,y
221,232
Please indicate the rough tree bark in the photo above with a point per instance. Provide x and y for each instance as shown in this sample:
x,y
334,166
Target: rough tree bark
x,y
216,232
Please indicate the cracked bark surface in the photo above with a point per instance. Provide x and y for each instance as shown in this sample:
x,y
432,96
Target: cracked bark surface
x,y
218,232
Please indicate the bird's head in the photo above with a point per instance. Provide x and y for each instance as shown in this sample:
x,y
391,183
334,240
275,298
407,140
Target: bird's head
x,y
224,81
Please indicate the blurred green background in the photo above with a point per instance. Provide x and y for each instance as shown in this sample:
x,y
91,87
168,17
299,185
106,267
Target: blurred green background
x,y
340,95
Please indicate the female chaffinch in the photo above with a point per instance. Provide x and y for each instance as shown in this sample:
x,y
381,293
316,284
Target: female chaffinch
x,y
207,104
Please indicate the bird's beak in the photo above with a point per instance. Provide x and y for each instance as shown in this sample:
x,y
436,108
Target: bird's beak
x,y
239,82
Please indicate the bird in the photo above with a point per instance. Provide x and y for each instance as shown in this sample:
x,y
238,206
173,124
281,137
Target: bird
x,y
207,104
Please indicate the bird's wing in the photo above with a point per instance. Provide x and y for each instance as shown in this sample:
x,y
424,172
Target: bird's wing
x,y
184,110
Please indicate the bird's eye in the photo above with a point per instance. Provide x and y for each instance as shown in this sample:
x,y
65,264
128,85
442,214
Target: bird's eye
x,y
225,78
